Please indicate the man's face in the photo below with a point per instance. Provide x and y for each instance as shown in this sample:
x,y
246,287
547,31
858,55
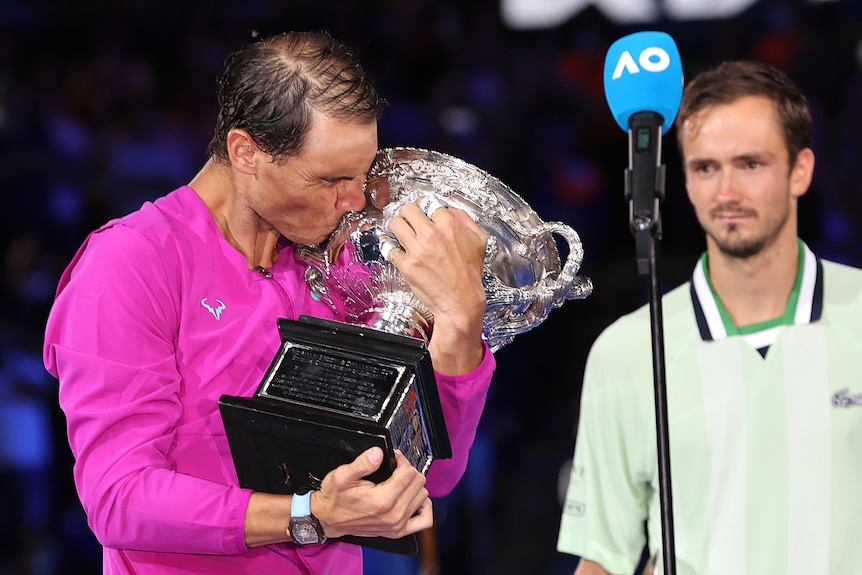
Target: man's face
x,y
738,175
305,197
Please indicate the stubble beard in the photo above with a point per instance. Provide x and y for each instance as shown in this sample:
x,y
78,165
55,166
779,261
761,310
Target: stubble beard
x,y
735,245
739,248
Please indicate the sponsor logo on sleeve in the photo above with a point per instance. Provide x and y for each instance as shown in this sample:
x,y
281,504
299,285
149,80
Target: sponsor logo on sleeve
x,y
844,398
575,508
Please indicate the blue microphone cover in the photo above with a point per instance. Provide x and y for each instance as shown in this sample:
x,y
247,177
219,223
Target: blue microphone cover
x,y
643,73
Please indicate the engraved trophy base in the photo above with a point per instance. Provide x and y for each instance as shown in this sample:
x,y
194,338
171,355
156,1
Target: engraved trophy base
x,y
332,391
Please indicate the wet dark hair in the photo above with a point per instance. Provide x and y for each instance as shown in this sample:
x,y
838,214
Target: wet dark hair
x,y
272,87
732,80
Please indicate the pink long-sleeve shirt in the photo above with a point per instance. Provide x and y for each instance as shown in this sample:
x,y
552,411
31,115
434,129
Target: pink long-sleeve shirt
x,y
156,317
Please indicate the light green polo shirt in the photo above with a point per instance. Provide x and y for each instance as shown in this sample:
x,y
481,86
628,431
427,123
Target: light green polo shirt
x,y
766,452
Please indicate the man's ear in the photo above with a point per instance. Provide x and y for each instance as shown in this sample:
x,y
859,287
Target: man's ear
x,y
243,152
802,172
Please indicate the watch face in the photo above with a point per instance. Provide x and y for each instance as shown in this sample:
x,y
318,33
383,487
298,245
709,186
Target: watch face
x,y
304,531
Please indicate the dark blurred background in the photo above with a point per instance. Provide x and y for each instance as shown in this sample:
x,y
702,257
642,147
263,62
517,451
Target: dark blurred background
x,y
106,104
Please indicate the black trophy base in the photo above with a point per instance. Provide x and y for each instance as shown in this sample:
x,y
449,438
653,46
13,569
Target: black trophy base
x,y
266,435
333,391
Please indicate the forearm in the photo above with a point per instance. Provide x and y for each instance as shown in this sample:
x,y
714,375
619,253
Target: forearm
x,y
266,519
463,401
457,346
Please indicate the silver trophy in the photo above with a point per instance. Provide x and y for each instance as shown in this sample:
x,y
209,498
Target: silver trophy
x,y
524,278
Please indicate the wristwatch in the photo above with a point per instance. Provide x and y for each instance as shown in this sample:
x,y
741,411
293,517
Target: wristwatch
x,y
304,528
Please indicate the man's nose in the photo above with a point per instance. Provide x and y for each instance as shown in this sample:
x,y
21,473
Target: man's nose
x,y
351,196
727,190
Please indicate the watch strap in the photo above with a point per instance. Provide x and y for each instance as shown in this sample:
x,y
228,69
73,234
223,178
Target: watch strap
x,y
301,505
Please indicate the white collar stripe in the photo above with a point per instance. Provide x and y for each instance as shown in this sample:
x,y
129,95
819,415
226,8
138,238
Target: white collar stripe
x,y
806,289
705,297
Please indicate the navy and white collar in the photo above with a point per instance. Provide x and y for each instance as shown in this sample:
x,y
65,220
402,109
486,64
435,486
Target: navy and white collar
x,y
809,302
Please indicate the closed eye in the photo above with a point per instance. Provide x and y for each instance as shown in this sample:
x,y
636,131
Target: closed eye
x,y
336,180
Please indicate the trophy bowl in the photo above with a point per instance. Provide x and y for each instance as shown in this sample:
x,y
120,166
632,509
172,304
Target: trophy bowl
x,y
523,275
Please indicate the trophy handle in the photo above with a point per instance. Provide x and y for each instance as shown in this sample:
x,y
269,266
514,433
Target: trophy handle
x,y
569,285
514,310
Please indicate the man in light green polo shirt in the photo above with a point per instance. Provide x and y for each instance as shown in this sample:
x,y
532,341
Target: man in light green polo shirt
x,y
763,351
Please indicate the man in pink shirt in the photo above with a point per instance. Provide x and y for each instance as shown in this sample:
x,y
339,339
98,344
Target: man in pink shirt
x,y
163,311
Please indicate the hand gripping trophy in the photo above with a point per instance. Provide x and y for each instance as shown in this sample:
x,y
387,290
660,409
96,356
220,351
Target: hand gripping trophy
x,y
523,276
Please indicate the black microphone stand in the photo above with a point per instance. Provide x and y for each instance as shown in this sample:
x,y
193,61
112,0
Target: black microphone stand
x,y
644,190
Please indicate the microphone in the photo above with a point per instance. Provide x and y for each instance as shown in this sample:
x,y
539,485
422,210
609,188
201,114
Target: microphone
x,y
643,86
643,83
643,73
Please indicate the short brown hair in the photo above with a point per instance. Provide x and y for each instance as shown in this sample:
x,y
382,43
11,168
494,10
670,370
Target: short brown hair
x,y
732,80
271,87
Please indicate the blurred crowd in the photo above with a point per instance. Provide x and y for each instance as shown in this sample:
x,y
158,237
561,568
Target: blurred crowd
x,y
111,103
